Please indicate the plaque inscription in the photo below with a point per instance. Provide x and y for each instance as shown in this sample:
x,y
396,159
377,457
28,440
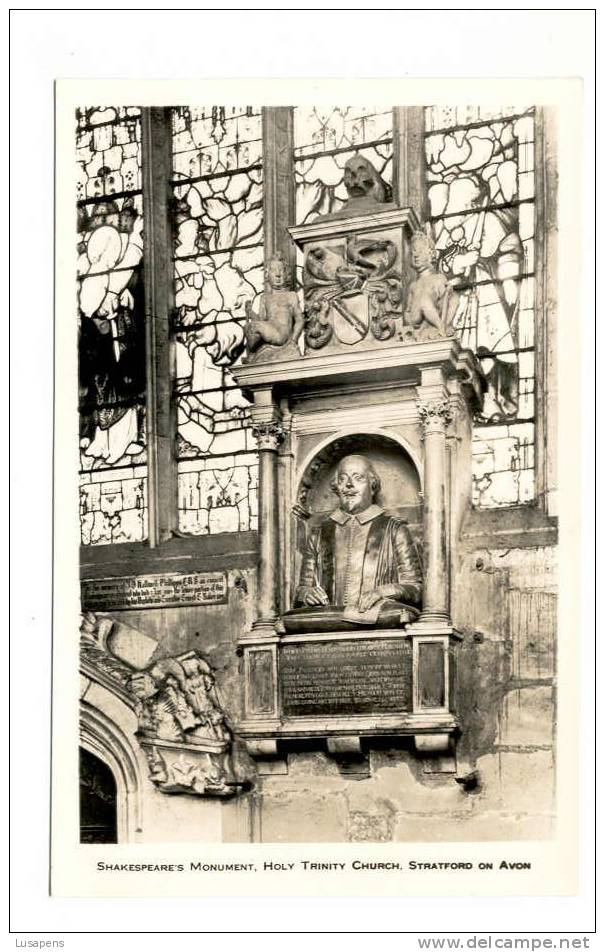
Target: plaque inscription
x,y
154,591
345,677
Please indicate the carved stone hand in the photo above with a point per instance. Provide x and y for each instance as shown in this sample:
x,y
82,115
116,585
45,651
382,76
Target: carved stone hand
x,y
314,596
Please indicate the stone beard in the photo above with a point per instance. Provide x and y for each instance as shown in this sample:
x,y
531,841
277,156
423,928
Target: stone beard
x,y
359,557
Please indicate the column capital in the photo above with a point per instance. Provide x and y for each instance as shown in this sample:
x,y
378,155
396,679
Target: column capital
x,y
268,435
435,414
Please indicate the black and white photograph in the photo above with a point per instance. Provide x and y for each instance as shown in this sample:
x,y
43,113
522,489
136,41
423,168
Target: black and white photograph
x,y
317,480
318,592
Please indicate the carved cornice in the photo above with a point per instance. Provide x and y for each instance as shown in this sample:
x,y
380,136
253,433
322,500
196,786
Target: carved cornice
x,y
388,362
95,630
435,415
269,435
96,659
388,218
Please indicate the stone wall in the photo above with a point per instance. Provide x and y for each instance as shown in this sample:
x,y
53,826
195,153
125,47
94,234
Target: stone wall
x,y
500,784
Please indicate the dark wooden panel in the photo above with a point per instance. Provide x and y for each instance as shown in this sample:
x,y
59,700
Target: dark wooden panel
x,y
227,550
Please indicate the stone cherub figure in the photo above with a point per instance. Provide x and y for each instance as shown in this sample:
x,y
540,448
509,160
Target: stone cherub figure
x,y
274,331
360,565
432,301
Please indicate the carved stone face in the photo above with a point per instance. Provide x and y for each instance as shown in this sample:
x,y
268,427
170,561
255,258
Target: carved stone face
x,y
354,484
276,273
422,253
361,179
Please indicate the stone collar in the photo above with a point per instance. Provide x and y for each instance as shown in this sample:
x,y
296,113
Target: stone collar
x,y
341,517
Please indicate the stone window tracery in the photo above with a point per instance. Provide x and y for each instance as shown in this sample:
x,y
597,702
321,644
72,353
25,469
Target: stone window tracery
x,y
481,191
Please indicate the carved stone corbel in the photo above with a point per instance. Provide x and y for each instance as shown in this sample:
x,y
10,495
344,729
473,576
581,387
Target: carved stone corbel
x,y
182,728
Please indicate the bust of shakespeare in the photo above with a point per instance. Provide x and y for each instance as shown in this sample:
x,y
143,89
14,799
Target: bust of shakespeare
x,y
360,566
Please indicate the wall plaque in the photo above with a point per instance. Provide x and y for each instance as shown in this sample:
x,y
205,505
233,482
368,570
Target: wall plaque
x,y
363,676
154,591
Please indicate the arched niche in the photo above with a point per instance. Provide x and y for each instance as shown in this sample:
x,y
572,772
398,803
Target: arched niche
x,y
400,491
400,486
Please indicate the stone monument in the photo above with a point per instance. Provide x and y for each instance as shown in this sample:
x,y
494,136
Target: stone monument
x,y
364,446
182,728
360,566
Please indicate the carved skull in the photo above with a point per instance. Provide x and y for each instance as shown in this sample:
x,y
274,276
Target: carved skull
x,y
361,179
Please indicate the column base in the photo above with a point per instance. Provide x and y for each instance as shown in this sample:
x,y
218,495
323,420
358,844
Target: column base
x,y
435,618
262,630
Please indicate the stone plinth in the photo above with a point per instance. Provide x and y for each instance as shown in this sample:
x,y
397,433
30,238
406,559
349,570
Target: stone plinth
x,y
341,687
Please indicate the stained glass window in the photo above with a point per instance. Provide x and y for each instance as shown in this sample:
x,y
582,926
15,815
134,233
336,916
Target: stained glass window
x,y
218,269
111,321
323,141
480,171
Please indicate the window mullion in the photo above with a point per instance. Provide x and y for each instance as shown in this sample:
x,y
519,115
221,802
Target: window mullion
x,y
279,195
546,309
409,165
161,420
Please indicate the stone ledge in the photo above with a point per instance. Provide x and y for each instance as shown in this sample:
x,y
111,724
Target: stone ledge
x,y
226,550
514,527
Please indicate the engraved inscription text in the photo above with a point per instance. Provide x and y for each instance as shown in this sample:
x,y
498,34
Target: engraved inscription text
x,y
154,591
345,677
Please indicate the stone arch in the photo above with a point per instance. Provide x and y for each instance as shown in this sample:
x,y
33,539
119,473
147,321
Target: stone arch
x,y
103,737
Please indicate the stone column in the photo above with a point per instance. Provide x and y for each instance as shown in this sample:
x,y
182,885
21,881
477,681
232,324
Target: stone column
x,y
268,434
546,230
435,415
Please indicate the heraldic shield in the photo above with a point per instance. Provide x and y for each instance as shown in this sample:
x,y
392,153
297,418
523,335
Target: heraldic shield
x,y
353,288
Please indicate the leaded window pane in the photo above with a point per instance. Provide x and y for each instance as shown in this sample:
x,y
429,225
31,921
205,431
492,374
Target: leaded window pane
x,y
323,141
218,268
111,316
480,178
